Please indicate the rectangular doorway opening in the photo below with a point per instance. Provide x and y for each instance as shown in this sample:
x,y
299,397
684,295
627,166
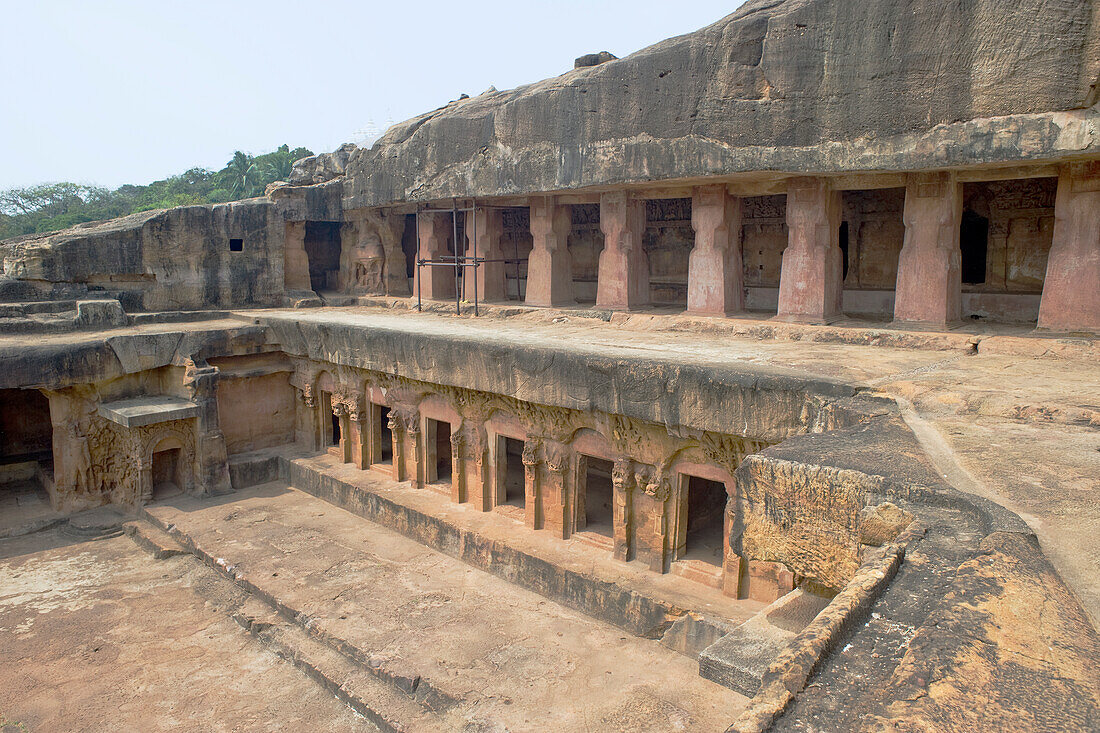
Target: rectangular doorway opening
x,y
166,467
706,510
511,475
598,497
331,423
384,454
439,449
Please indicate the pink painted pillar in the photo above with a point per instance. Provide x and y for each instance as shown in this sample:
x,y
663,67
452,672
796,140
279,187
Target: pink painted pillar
x,y
1071,289
715,283
488,224
550,266
810,278
623,279
929,285
436,283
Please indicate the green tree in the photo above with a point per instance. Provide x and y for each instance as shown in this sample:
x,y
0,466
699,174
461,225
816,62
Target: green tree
x,y
52,206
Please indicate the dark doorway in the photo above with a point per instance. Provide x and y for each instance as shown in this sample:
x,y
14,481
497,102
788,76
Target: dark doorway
x,y
166,467
706,508
385,437
974,243
322,245
844,249
598,497
331,422
511,471
439,435
408,244
26,432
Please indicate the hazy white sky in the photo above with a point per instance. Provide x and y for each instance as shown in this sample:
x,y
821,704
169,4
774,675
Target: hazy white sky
x,y
112,91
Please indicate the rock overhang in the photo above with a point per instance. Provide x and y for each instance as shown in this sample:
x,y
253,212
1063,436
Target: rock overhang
x,y
801,86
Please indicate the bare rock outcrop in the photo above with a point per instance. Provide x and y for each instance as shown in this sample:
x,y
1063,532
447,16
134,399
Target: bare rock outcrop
x,y
788,85
323,167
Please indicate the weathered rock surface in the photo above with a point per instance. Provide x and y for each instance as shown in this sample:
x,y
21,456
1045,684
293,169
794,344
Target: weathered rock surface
x,y
163,260
323,167
796,85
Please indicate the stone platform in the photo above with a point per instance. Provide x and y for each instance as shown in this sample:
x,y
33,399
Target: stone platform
x,y
476,649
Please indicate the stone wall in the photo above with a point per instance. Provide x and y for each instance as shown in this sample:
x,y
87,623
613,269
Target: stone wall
x,y
177,259
256,411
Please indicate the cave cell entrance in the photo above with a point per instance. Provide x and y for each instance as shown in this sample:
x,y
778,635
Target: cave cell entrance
x,y
702,519
510,472
167,480
598,496
438,434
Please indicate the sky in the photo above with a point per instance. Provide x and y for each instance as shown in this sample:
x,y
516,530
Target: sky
x,y
112,92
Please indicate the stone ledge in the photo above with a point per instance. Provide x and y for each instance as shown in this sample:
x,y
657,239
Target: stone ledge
x,y
139,411
788,673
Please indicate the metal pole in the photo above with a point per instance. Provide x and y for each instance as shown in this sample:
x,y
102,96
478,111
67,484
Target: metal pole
x,y
515,251
417,270
473,241
454,224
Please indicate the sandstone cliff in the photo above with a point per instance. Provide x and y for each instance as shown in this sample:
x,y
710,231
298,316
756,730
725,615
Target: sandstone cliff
x,y
793,85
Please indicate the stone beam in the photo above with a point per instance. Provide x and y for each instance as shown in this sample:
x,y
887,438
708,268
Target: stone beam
x,y
714,266
434,282
487,227
623,279
550,266
810,278
929,284
1071,289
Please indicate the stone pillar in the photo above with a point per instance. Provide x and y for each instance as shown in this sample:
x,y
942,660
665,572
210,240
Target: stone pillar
x,y
436,283
929,286
295,261
810,281
1071,289
212,456
550,266
555,495
532,516
308,433
479,487
458,467
731,560
145,480
715,281
397,434
360,434
654,545
622,479
488,224
414,457
624,266
340,410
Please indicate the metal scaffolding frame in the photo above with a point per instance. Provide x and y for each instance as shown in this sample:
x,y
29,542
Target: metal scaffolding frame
x,y
456,261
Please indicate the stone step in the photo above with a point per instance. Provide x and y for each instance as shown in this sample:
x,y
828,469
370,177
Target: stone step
x,y
698,571
153,540
94,524
404,700
739,659
382,704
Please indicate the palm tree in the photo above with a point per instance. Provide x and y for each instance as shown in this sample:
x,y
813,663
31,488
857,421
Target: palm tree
x,y
241,175
278,169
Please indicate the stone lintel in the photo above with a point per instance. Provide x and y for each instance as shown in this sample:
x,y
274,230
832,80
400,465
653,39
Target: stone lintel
x,y
139,411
